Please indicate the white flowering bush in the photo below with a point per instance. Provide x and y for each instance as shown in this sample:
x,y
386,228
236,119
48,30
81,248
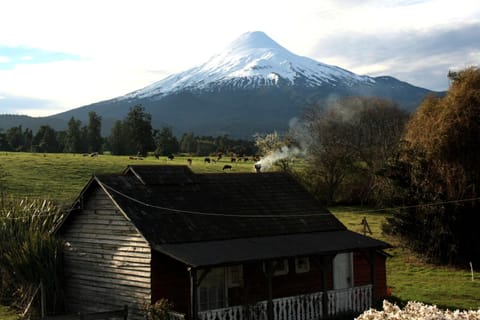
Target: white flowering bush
x,y
417,311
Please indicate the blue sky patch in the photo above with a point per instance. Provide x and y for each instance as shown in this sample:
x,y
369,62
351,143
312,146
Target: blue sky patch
x,y
12,56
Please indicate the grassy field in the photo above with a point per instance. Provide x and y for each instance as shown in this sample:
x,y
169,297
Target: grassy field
x,y
61,177
6,314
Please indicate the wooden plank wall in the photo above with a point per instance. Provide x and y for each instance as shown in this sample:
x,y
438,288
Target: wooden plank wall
x,y
107,262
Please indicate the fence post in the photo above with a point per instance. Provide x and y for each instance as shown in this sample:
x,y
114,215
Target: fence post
x,y
125,312
43,299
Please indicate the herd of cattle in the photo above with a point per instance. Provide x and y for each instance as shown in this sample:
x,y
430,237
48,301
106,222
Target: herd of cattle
x,y
208,160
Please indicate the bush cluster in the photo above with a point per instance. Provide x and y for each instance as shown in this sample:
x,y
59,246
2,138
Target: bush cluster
x,y
416,311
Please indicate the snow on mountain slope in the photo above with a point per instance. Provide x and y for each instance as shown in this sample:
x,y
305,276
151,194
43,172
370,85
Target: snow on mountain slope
x,y
252,60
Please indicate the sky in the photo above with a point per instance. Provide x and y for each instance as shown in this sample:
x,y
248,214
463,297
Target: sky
x,y
57,55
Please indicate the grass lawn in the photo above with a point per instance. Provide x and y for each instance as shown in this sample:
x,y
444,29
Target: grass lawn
x,y
412,279
6,314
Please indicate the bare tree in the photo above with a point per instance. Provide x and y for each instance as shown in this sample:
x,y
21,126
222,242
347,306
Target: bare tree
x,y
352,139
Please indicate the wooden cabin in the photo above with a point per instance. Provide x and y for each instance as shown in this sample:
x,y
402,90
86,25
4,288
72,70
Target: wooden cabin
x,y
216,245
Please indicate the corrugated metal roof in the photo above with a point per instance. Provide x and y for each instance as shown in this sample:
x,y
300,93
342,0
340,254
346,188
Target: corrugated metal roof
x,y
211,253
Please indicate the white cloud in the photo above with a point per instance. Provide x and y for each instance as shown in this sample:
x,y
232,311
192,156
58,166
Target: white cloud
x,y
4,59
120,42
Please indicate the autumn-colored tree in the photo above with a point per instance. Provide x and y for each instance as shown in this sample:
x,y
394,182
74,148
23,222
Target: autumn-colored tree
x,y
439,167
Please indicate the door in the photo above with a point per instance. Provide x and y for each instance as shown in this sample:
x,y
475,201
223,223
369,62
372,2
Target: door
x,y
342,280
343,271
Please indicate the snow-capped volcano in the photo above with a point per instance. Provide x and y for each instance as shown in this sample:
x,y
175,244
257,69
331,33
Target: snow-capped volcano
x,y
254,85
252,60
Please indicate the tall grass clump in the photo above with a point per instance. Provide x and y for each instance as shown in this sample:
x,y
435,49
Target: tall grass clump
x,y
30,253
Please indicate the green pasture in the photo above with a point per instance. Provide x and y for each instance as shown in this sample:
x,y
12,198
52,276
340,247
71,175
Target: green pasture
x,y
60,177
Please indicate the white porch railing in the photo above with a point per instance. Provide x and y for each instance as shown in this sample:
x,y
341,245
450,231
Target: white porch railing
x,y
172,315
355,299
301,307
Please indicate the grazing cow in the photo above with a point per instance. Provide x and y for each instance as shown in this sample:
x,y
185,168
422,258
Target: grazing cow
x,y
170,157
227,166
206,160
233,159
189,161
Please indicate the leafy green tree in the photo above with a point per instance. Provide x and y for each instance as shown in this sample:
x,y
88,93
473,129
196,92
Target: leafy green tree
x,y
45,140
15,138
94,132
3,141
439,166
205,147
138,124
188,143
166,142
119,139
27,139
74,141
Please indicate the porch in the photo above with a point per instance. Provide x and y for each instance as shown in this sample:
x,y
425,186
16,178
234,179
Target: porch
x,y
300,307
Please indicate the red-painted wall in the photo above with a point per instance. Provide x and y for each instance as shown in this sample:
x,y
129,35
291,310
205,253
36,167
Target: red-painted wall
x,y
170,280
362,272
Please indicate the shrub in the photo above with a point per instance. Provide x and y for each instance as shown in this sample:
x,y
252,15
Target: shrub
x,y
417,311
29,252
160,310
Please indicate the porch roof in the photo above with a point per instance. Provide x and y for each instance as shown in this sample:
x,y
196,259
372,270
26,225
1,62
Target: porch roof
x,y
233,251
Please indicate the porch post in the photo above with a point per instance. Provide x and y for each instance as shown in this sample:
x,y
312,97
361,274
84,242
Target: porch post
x,y
323,267
270,293
373,274
193,294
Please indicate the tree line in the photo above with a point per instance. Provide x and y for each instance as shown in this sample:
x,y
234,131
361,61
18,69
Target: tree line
x,y
133,135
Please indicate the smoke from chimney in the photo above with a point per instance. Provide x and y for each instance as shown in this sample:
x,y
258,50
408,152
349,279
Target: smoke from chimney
x,y
269,160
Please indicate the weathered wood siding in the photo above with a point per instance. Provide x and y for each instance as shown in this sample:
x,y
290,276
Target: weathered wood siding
x,y
107,261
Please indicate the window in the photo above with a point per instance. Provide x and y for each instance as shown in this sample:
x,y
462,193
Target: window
x,y
280,267
235,276
211,291
302,265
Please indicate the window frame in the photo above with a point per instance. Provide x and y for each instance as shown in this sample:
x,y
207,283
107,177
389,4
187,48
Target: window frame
x,y
299,268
